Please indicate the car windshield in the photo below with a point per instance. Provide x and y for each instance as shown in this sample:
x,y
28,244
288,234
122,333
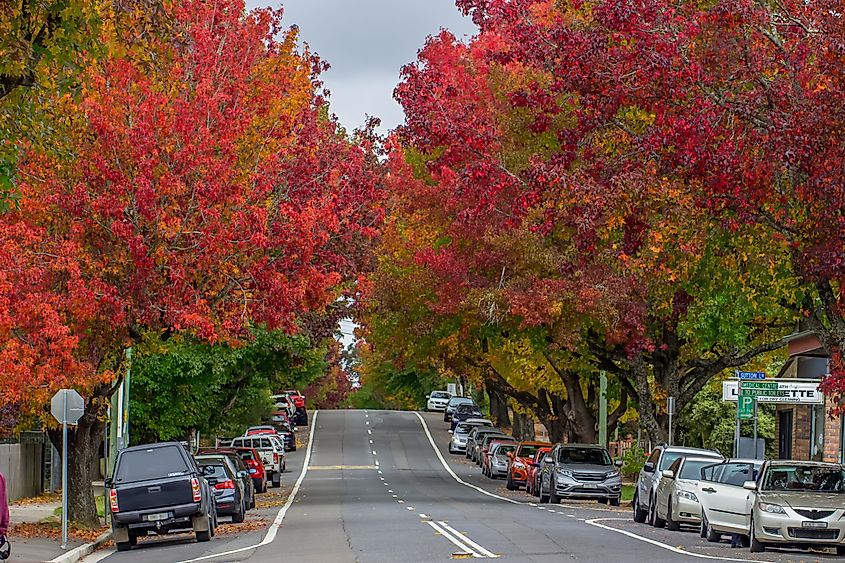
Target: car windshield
x,y
503,449
591,456
692,469
670,457
151,463
464,428
454,401
440,395
819,478
528,450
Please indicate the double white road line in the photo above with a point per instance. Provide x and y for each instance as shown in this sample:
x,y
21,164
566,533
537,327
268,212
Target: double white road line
x,y
463,543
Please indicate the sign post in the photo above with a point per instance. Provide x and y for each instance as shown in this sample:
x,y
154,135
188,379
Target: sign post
x,y
670,409
67,406
746,405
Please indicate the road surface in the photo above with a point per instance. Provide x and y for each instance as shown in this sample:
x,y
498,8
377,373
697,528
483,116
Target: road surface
x,y
381,487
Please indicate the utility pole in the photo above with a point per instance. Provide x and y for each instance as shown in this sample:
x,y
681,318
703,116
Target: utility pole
x,y
603,409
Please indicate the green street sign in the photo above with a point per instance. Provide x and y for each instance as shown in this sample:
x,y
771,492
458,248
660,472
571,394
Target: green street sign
x,y
759,385
745,405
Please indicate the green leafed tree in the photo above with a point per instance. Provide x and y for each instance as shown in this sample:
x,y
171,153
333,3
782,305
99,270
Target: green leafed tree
x,y
221,388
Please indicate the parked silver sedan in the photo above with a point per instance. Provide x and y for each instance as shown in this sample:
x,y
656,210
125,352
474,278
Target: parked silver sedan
x,y
798,504
677,502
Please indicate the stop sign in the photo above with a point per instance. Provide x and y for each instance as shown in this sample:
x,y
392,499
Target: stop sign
x,y
67,406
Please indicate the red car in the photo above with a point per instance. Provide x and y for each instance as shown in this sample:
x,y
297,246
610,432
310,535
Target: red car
x,y
532,483
259,430
519,463
252,460
301,415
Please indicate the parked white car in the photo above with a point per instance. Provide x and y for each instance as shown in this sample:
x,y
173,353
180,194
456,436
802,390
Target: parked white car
x,y
677,502
272,452
725,504
798,504
437,401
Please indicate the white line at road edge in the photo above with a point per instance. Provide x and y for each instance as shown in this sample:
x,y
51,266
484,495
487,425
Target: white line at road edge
x,y
597,523
274,527
594,522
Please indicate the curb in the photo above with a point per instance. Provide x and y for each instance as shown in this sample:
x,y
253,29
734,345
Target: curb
x,y
74,555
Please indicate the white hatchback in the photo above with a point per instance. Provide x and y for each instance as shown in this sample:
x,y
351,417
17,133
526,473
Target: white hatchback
x,y
437,401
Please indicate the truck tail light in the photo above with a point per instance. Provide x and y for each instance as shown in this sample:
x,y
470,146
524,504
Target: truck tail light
x,y
113,500
227,484
275,457
195,487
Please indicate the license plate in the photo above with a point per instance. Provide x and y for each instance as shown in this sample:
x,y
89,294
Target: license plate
x,y
590,486
810,524
157,516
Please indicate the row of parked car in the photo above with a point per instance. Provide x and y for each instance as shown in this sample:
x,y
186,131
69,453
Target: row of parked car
x,y
550,472
761,504
160,488
758,504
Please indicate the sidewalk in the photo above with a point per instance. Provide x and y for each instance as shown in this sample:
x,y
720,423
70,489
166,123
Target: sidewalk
x,y
30,548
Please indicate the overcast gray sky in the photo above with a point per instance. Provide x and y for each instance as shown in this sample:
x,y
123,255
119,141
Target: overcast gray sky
x,y
367,42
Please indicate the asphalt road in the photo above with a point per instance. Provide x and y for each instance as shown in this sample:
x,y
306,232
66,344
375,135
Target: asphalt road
x,y
377,490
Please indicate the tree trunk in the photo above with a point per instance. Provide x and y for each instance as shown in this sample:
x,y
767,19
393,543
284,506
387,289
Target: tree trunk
x,y
498,407
83,454
523,426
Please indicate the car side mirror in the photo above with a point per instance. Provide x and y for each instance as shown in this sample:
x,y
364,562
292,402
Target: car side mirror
x,y
253,471
108,483
243,474
750,485
618,463
668,473
648,467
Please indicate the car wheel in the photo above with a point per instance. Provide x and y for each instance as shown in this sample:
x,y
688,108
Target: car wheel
x,y
277,480
712,535
238,516
133,539
614,501
840,550
450,448
638,513
655,520
553,498
252,501
671,525
702,529
544,499
601,500
123,546
755,545
509,483
205,535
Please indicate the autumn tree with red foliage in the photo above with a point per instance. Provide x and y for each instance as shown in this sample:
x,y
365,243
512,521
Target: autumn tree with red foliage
x,y
207,191
564,157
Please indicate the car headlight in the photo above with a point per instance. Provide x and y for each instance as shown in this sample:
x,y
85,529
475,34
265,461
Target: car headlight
x,y
611,474
564,472
770,508
688,495
519,465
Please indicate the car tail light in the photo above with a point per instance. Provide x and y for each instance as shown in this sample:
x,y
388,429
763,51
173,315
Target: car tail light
x,y
227,484
195,487
113,500
275,457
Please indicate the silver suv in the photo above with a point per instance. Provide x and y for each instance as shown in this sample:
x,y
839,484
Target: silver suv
x,y
661,458
583,471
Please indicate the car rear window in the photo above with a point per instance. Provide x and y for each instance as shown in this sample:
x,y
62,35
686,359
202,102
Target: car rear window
x,y
151,463
215,471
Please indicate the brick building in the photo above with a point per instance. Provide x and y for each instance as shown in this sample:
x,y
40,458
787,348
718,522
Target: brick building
x,y
806,432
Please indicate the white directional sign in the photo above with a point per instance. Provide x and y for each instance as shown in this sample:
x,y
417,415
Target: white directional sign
x,y
787,391
67,406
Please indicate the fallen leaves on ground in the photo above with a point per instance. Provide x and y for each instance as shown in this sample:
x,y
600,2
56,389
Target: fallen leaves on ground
x,y
249,525
46,498
53,530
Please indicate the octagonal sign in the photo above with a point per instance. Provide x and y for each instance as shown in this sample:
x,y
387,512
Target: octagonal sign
x,y
67,406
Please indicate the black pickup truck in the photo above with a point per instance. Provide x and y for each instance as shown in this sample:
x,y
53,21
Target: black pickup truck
x,y
159,488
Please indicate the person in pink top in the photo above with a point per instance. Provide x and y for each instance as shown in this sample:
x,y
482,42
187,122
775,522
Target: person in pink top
x,y
4,510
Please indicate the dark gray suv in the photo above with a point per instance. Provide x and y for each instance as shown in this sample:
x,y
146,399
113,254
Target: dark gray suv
x,y
581,471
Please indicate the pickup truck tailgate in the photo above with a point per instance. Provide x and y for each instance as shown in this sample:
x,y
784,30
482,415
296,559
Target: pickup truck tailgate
x,y
155,494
